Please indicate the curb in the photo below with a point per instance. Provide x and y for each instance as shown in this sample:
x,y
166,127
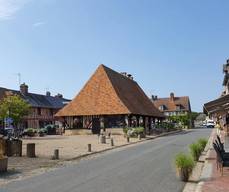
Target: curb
x,y
120,146
204,172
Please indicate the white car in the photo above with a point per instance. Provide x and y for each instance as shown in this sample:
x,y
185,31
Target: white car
x,y
210,124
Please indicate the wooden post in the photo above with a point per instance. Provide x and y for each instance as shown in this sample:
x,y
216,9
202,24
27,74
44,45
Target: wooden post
x,y
56,154
112,142
137,119
128,139
89,147
139,137
30,152
102,139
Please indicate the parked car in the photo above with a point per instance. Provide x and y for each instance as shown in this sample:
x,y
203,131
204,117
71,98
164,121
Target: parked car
x,y
210,124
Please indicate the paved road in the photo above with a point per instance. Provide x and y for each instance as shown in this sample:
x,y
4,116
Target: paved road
x,y
146,167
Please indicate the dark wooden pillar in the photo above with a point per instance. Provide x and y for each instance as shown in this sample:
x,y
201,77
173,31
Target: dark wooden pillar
x,y
150,123
137,119
129,121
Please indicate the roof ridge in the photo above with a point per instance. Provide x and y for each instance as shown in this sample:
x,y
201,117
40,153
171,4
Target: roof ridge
x,y
113,87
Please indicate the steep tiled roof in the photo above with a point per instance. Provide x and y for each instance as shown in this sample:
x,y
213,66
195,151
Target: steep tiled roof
x,y
110,93
171,105
36,100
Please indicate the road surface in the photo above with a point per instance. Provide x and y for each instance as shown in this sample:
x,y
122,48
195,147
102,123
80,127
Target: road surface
x,y
146,167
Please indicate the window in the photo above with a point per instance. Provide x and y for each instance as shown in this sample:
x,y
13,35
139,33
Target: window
x,y
178,107
162,108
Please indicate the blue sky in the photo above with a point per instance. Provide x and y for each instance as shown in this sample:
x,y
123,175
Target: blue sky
x,y
168,45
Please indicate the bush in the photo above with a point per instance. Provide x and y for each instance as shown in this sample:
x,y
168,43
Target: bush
x,y
202,142
184,161
195,149
30,132
166,125
139,130
125,130
133,132
184,164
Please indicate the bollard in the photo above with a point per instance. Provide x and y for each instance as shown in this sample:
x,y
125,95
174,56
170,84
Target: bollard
x,y
30,152
128,139
139,137
112,142
56,154
102,139
89,147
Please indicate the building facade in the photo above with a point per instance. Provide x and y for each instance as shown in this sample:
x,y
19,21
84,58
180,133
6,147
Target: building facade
x,y
43,107
218,109
109,99
172,105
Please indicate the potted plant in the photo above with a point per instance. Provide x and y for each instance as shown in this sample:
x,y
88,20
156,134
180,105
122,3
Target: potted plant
x,y
202,142
195,149
184,165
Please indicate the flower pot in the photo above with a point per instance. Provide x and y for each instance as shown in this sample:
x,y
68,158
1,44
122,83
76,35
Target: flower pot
x,y
183,174
3,164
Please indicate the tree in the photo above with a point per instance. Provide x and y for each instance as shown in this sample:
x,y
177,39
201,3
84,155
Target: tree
x,y
183,119
14,107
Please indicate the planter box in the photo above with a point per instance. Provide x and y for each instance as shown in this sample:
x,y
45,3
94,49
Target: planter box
x,y
183,174
3,164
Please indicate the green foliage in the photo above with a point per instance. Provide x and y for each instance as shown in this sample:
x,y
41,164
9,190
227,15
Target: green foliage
x,y
133,132
14,107
183,161
195,149
30,132
194,115
202,142
125,129
184,120
138,130
166,125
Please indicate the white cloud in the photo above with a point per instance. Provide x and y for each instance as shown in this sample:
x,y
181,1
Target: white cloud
x,y
9,7
38,24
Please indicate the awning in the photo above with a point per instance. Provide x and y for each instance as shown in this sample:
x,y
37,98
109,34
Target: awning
x,y
219,105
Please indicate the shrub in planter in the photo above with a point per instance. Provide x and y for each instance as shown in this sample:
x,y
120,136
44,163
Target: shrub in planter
x,y
134,132
125,129
202,142
29,132
184,165
195,149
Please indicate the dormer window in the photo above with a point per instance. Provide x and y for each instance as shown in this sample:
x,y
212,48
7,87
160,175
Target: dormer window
x,y
178,107
162,108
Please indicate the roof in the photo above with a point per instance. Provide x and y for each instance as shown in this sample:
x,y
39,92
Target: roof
x,y
110,93
171,105
217,105
37,100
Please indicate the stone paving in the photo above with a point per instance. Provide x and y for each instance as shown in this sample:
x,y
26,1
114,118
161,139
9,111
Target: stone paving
x,y
215,182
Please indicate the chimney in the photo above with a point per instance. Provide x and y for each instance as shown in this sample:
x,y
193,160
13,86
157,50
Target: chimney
x,y
172,96
48,93
24,89
154,97
59,95
130,77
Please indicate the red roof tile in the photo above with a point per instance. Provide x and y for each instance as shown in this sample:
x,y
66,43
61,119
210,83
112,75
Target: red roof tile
x,y
110,93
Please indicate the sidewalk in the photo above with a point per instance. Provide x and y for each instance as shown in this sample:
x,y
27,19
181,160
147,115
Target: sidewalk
x,y
216,182
210,179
